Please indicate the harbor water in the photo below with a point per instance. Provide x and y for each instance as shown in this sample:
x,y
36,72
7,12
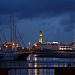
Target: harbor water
x,y
35,65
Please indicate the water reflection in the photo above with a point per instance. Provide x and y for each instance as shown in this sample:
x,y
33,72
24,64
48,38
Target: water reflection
x,y
37,66
35,58
34,65
49,62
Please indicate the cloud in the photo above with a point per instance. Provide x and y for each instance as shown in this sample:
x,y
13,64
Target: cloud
x,y
52,30
32,8
39,8
68,23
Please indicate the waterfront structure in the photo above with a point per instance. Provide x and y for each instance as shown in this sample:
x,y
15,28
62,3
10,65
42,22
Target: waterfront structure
x,y
49,45
73,45
65,47
11,50
52,45
9,45
40,36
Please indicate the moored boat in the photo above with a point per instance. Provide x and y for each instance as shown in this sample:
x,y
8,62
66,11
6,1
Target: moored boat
x,y
54,53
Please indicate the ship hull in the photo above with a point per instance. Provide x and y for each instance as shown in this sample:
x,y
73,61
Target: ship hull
x,y
55,53
12,55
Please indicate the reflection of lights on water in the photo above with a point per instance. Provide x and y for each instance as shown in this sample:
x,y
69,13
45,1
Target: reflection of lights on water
x,y
35,65
28,58
35,55
29,70
54,58
29,65
32,71
35,70
35,58
55,65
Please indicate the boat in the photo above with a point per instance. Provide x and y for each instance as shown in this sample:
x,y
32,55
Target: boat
x,y
8,55
53,49
55,53
9,50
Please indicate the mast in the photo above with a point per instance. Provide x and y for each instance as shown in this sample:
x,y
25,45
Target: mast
x,y
20,37
10,30
13,30
0,40
2,32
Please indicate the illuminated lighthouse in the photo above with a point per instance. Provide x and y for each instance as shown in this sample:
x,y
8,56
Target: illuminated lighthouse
x,y
40,36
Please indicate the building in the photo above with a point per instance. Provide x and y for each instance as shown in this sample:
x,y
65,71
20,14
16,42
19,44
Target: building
x,y
72,45
52,45
47,45
65,47
40,36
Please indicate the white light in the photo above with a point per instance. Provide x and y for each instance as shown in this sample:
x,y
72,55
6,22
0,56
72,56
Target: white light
x,y
35,65
35,58
35,45
22,47
55,42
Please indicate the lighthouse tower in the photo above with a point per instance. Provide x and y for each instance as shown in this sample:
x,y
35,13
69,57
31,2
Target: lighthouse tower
x,y
40,36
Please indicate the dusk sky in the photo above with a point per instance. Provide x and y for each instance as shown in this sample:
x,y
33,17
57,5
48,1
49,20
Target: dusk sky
x,y
55,17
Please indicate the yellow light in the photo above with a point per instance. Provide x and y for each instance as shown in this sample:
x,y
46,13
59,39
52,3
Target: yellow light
x,y
22,47
13,44
35,45
17,45
6,46
35,65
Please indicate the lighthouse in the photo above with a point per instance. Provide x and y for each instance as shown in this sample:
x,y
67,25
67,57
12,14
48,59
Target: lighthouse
x,y
40,36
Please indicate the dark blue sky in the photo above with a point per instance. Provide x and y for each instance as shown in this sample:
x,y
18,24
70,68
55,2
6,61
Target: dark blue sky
x,y
55,17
